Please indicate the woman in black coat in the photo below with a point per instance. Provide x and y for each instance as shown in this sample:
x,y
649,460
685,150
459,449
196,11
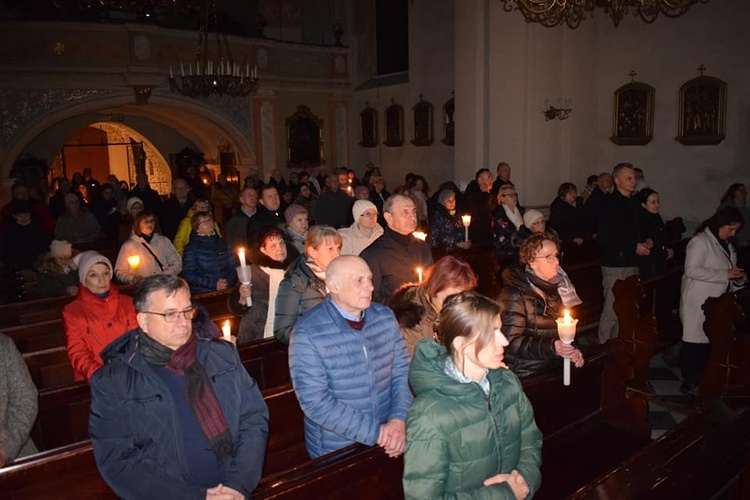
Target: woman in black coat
x,y
530,304
567,216
652,232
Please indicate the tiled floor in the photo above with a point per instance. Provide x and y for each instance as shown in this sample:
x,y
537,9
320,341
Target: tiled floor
x,y
668,406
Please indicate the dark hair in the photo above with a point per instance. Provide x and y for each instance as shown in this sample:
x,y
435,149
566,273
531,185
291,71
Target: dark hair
x,y
723,217
480,172
142,215
591,178
620,167
467,314
267,233
448,272
150,284
413,182
731,191
196,218
643,194
531,246
265,188
565,188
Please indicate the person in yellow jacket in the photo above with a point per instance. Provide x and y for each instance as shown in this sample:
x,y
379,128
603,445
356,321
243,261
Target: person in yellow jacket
x,y
183,230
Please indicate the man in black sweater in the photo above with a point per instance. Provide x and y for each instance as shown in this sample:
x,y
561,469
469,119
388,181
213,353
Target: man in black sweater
x,y
619,243
396,255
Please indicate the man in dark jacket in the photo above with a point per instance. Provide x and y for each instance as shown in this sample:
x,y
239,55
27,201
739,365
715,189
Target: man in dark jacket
x,y
175,208
396,255
478,197
173,412
268,215
334,205
619,243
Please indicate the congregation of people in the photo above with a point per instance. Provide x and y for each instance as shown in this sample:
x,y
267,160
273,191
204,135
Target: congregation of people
x,y
390,343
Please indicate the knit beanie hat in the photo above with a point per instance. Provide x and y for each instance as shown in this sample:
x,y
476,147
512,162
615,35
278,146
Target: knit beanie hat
x,y
60,248
531,216
293,211
85,260
132,201
360,206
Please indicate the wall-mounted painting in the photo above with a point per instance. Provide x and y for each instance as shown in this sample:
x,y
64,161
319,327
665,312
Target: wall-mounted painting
x,y
304,138
422,130
368,120
449,126
633,115
703,109
394,125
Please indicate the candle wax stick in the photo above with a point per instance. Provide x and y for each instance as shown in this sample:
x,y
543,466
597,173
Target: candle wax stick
x,y
566,371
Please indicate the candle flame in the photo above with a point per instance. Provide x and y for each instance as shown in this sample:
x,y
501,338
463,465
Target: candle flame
x,y
134,261
566,317
226,329
466,220
419,235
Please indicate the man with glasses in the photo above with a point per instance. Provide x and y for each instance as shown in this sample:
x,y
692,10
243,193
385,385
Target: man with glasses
x,y
173,412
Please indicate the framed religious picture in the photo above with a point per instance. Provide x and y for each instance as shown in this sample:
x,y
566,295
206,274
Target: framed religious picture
x,y
703,109
422,130
304,138
394,125
368,120
633,123
449,128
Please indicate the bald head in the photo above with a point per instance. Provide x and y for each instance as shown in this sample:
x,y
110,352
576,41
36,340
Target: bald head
x,y
349,281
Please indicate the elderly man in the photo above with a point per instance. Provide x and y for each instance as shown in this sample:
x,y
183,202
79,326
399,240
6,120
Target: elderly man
x,y
479,200
619,237
76,225
173,412
395,257
349,366
334,204
175,208
237,224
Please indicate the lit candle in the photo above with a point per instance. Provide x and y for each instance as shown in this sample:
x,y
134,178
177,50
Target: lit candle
x,y
226,330
419,274
466,221
349,190
243,262
419,235
135,262
566,329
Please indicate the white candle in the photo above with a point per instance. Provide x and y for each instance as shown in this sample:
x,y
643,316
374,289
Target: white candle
x,y
182,70
171,75
566,329
243,262
134,261
247,70
466,221
419,274
226,330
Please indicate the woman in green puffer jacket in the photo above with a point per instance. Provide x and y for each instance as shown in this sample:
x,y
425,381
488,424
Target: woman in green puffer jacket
x,y
470,432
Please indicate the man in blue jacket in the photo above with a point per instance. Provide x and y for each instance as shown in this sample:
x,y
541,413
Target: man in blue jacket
x,y
173,412
350,366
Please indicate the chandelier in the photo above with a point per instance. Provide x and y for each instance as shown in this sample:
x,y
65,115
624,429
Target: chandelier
x,y
550,13
213,76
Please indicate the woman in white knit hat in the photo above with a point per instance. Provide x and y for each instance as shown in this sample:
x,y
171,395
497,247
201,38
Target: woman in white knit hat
x,y
99,315
363,231
57,274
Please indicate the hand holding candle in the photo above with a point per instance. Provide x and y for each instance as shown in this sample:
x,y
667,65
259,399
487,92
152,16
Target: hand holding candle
x,y
466,221
245,276
566,329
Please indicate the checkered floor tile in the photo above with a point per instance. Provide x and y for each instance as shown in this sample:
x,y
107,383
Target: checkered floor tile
x,y
668,407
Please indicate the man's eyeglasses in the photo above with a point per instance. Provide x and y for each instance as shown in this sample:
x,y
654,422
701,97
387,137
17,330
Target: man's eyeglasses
x,y
551,257
172,316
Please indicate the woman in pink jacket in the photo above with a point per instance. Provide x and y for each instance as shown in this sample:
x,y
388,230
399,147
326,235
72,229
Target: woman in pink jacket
x,y
98,316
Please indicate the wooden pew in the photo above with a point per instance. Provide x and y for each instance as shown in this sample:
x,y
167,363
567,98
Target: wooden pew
x,y
706,456
644,311
64,411
728,329
70,471
591,423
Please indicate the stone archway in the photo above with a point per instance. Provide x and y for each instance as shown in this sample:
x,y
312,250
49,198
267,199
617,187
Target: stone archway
x,y
40,119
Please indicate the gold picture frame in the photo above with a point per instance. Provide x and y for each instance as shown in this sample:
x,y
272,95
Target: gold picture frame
x,y
703,110
633,123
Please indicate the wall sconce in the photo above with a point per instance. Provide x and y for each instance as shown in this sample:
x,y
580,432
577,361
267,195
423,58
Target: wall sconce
x,y
561,111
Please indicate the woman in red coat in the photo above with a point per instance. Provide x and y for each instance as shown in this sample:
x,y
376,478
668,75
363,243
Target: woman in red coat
x,y
98,316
